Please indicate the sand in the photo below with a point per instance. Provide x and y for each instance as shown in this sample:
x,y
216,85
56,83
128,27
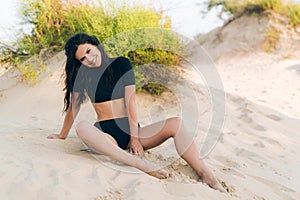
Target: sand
x,y
255,156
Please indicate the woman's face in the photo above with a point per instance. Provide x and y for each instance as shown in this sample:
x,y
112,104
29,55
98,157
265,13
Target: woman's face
x,y
89,55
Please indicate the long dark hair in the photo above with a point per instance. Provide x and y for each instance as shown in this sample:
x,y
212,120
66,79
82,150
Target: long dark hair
x,y
73,65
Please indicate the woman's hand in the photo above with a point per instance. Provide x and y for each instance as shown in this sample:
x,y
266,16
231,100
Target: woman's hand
x,y
55,136
136,147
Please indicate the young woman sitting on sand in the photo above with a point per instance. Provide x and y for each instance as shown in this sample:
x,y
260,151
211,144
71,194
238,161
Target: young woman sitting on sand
x,y
110,85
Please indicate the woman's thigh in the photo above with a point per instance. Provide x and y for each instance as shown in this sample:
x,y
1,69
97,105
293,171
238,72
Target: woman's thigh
x,y
154,134
86,131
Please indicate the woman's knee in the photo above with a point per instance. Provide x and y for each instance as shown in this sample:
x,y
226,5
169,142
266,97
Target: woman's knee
x,y
175,124
175,121
81,128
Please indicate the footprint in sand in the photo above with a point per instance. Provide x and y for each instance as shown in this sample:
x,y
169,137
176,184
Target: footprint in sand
x,y
112,194
245,153
258,127
282,191
230,166
1,96
228,162
231,171
271,141
247,119
259,144
34,118
232,133
274,117
237,100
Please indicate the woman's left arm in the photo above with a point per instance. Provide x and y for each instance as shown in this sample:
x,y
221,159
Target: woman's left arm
x,y
135,144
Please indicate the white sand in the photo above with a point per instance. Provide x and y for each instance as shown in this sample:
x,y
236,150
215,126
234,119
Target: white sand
x,y
256,157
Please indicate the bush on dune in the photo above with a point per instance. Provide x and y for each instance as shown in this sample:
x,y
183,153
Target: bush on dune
x,y
270,8
237,7
142,34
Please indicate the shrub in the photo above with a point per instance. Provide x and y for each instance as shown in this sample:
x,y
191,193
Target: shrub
x,y
236,7
141,34
271,39
294,14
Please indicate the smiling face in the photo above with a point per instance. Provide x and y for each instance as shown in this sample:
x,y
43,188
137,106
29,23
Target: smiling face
x,y
89,55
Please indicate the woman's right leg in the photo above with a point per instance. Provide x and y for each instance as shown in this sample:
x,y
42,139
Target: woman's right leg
x,y
156,133
105,144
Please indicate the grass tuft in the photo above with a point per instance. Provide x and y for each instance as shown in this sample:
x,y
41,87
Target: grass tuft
x,y
142,34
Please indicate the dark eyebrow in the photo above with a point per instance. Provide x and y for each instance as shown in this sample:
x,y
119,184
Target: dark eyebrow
x,y
82,59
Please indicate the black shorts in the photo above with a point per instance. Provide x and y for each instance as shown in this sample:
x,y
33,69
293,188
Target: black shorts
x,y
118,129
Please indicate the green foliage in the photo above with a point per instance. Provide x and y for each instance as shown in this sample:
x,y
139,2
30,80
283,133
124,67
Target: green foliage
x,y
249,6
275,5
54,21
30,74
272,36
141,34
271,39
155,78
231,7
294,14
153,88
149,55
31,69
237,7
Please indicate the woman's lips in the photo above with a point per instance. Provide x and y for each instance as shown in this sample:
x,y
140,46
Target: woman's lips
x,y
93,62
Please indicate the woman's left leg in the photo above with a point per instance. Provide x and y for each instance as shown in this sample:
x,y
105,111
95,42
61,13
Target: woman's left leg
x,y
155,134
105,144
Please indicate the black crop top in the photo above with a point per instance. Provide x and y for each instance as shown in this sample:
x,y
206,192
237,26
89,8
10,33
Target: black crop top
x,y
106,83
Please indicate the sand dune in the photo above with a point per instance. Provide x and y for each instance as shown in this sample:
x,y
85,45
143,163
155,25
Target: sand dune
x,y
256,156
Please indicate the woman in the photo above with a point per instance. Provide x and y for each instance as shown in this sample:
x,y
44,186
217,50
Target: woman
x,y
110,85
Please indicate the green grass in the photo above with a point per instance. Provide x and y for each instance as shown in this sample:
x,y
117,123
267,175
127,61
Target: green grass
x,y
235,7
260,7
271,39
294,14
142,34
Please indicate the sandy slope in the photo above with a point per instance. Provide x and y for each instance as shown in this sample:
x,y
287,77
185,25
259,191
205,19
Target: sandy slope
x,y
33,167
256,156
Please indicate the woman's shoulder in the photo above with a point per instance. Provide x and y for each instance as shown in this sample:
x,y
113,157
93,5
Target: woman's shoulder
x,y
122,59
122,63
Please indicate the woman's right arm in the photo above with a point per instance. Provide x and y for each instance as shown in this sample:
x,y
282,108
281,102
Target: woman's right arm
x,y
71,114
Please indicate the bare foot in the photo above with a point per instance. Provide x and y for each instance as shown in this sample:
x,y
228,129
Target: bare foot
x,y
212,182
152,169
160,173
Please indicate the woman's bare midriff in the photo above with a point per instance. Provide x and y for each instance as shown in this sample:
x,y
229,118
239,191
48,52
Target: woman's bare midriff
x,y
110,109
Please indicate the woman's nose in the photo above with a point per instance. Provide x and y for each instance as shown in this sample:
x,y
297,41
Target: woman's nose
x,y
88,57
